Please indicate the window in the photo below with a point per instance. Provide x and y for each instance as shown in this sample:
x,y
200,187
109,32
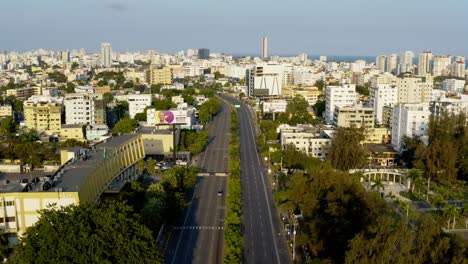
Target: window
x,y
9,203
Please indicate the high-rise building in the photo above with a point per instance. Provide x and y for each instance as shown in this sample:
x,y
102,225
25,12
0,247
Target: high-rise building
x,y
265,48
425,62
338,96
392,64
383,92
458,67
380,62
43,116
65,55
264,80
204,54
441,65
406,61
106,54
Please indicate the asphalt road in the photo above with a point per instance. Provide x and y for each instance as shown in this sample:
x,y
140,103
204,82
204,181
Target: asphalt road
x,y
261,224
198,235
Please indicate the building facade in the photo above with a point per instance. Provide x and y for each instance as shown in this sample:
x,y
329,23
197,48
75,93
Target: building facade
x,y
43,116
410,120
338,96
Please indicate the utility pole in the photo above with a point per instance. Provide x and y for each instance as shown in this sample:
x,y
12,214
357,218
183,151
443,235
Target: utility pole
x,y
294,242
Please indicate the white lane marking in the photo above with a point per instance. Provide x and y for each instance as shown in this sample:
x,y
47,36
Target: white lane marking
x,y
266,195
182,233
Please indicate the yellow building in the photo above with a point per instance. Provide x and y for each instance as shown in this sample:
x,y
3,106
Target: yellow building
x,y
102,90
24,92
380,135
159,75
82,178
74,131
6,111
43,116
354,115
310,94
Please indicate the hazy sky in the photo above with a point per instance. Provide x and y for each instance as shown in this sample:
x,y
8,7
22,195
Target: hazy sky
x,y
331,27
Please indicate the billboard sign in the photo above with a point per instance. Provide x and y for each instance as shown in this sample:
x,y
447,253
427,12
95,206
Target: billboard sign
x,y
274,107
156,117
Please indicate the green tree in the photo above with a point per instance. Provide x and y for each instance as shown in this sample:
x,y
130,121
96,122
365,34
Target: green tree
x,y
141,166
3,246
125,125
87,233
7,126
128,84
363,89
108,98
151,164
345,151
319,108
70,87
140,116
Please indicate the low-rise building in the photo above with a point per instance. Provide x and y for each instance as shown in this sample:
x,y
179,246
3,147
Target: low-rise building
x,y
6,111
312,140
137,103
96,132
354,116
72,131
83,176
381,155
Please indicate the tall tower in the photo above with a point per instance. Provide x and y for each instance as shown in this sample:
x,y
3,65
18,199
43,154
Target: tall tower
x,y
424,63
106,54
265,48
380,62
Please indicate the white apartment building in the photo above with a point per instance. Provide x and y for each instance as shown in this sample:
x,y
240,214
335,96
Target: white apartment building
x,y
338,96
449,102
264,80
458,68
453,85
381,95
137,103
413,90
82,108
409,120
441,65
358,66
392,65
406,61
380,62
304,78
425,62
313,141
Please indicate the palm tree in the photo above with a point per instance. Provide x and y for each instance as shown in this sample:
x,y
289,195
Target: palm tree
x,y
415,176
377,185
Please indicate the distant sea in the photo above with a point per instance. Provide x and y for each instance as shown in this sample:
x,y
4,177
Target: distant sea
x,y
336,58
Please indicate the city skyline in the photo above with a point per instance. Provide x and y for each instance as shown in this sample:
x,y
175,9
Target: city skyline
x,y
358,28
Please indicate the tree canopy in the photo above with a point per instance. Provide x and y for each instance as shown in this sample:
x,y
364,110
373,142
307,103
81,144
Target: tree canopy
x,y
125,125
345,151
99,233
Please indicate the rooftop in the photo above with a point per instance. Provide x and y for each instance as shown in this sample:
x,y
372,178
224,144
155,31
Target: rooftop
x,y
69,177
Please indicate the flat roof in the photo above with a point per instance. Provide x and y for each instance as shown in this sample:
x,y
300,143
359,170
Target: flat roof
x,y
153,130
75,173
380,148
